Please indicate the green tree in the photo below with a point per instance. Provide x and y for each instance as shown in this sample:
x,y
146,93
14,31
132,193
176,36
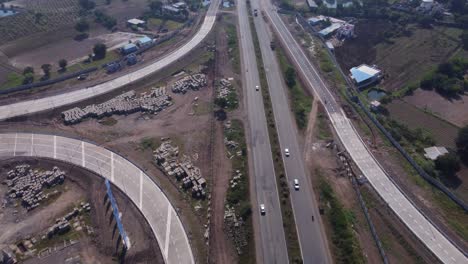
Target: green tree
x,y
448,163
87,4
82,26
462,143
27,70
464,39
99,51
290,76
46,69
156,7
63,64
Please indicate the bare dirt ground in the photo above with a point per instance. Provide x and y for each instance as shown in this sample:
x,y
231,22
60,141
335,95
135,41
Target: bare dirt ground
x,y
82,185
453,110
400,246
221,249
443,132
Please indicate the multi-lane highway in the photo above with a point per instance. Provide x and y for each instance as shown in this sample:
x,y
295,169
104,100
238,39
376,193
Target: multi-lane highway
x,y
136,184
428,234
312,237
47,103
273,244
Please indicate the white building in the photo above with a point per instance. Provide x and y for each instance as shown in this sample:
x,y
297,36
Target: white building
x,y
434,152
365,75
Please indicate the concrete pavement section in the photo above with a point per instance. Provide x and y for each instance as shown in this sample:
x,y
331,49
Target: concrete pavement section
x,y
428,234
273,244
132,181
48,103
311,234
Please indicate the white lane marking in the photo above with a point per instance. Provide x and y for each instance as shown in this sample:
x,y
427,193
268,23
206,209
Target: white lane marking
x,y
168,230
141,189
112,166
16,138
83,163
55,147
32,144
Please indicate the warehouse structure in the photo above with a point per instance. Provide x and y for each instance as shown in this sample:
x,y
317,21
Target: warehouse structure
x,y
365,75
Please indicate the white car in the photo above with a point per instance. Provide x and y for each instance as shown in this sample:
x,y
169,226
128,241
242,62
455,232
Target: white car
x,y
257,88
286,152
296,184
262,209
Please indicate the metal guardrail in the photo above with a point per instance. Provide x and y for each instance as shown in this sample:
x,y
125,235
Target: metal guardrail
x,y
47,82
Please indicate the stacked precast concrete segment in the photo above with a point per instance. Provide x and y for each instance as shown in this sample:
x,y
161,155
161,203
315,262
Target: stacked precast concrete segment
x,y
132,181
52,102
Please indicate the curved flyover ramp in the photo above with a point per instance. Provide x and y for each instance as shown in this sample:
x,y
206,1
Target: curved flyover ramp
x,y
138,186
47,103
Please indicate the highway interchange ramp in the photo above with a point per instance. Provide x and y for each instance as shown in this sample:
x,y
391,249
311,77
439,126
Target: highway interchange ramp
x,y
131,180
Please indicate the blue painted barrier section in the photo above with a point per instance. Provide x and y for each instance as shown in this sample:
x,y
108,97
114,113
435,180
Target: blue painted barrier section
x,y
115,211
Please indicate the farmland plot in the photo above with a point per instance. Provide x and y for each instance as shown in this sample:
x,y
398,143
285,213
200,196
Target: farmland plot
x,y
53,14
443,133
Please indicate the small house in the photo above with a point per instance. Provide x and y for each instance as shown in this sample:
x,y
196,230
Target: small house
x,y
135,22
434,152
129,48
144,41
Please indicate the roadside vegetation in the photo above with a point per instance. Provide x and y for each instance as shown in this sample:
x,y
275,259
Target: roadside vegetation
x,y
233,46
300,102
289,224
346,246
238,197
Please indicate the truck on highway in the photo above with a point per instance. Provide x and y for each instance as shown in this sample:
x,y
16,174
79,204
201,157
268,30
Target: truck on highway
x,y
255,12
272,45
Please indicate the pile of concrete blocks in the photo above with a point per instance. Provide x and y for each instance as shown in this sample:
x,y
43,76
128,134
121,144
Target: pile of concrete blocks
x,y
192,82
166,158
62,225
27,184
224,88
231,144
124,104
235,180
235,229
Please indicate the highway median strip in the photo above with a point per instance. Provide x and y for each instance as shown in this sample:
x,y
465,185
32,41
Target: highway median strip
x,y
289,224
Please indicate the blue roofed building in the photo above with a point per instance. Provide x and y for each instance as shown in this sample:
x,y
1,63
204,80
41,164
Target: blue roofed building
x,y
365,75
329,30
129,48
144,41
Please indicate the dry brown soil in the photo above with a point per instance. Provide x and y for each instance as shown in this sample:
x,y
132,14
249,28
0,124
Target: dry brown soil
x,y
83,185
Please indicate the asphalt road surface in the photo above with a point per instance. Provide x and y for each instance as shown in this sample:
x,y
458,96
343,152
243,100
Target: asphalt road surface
x,y
48,103
428,234
273,244
138,186
312,237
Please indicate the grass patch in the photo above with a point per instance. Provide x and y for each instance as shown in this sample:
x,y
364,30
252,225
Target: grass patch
x,y
13,79
155,22
324,132
456,216
110,56
301,103
108,121
233,46
150,143
238,197
173,25
202,108
346,245
289,224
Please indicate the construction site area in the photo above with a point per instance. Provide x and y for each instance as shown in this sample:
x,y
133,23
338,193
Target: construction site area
x,y
166,126
54,212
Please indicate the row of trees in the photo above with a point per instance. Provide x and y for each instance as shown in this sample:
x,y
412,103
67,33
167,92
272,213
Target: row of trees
x,y
28,72
448,79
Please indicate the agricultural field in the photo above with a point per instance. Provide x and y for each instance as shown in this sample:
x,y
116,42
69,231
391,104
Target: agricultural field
x,y
404,59
443,132
454,111
37,16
